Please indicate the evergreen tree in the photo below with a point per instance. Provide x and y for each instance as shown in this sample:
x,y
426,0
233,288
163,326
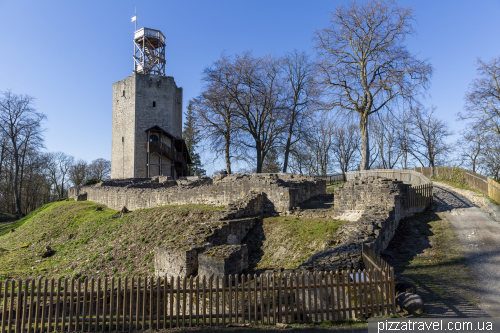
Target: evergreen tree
x,y
192,137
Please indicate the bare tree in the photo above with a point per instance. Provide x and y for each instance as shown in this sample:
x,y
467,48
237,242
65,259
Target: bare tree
x,y
346,144
78,173
472,146
100,169
301,93
254,87
215,117
491,158
430,135
59,166
404,130
386,139
320,143
20,124
301,158
364,61
482,101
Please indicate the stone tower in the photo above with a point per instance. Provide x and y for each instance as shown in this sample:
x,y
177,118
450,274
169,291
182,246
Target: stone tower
x,y
147,116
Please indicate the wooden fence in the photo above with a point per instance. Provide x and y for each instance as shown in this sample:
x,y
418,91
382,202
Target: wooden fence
x,y
157,303
420,195
407,176
332,179
483,184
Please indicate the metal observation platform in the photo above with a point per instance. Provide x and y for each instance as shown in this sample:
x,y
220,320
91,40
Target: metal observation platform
x,y
149,52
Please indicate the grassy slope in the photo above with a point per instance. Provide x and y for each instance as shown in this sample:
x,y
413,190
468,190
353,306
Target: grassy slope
x,y
98,243
89,242
290,241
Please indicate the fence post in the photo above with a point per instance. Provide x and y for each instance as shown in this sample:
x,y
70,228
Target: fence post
x,y
393,291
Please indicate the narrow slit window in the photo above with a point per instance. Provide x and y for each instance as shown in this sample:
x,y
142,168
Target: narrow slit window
x,y
123,93
154,104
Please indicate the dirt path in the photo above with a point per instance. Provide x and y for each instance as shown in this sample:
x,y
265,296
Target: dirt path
x,y
478,232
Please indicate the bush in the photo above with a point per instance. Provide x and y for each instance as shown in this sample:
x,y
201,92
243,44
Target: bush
x,y
92,181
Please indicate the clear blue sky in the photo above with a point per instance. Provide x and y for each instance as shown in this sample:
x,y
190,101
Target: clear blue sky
x,y
67,54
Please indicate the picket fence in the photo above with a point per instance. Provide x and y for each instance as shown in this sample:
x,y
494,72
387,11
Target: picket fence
x,y
420,195
155,303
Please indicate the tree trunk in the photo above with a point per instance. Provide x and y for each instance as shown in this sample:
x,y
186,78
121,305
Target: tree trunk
x,y
259,158
365,145
227,155
16,176
287,147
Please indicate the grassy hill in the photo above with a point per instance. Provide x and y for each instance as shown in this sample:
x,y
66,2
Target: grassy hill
x,y
94,241
90,242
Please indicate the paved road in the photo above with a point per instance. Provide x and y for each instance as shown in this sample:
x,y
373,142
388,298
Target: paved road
x,y
478,231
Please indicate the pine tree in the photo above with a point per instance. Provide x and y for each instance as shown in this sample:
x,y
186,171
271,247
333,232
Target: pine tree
x,y
192,138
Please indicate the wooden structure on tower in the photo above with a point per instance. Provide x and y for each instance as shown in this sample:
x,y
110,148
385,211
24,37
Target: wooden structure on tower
x,y
171,152
149,52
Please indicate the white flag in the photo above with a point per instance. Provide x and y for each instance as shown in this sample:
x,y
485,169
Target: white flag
x,y
134,18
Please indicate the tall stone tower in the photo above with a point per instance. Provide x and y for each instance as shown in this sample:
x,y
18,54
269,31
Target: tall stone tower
x,y
147,116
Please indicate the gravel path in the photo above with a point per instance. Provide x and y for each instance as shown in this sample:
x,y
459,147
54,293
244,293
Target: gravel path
x,y
478,232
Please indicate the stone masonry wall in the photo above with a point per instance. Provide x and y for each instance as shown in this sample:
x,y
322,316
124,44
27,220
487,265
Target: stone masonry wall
x,y
282,192
133,113
179,256
223,260
375,207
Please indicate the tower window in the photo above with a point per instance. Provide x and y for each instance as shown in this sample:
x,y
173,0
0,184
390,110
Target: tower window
x,y
153,138
154,104
123,93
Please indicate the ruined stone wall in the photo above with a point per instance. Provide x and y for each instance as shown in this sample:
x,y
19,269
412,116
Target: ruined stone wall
x,y
282,192
374,206
179,256
223,260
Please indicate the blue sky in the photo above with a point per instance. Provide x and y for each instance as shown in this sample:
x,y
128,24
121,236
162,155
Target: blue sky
x,y
67,54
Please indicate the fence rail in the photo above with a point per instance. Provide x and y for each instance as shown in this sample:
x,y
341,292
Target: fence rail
x,y
136,304
483,184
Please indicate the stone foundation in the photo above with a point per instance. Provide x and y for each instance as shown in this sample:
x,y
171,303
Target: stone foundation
x,y
223,260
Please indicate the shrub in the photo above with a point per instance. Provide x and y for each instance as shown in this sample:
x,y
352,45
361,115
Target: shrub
x,y
92,181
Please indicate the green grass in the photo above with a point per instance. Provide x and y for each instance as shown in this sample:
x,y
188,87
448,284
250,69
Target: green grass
x,y
290,241
330,189
6,228
89,242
